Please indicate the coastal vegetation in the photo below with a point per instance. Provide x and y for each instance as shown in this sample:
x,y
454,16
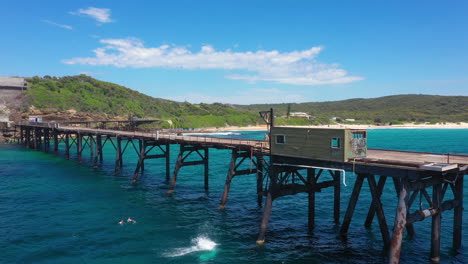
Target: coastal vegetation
x,y
85,94
394,109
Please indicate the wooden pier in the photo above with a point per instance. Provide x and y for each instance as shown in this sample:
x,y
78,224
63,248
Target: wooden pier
x,y
413,174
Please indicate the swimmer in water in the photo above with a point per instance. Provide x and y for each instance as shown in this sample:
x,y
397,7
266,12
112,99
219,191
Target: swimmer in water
x,y
121,222
131,220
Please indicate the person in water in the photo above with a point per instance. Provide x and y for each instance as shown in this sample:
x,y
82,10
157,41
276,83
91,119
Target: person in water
x,y
121,222
129,220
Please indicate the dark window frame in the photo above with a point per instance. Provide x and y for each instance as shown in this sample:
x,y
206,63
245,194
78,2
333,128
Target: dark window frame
x,y
283,141
335,143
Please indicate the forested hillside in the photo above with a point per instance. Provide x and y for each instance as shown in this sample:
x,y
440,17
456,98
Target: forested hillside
x,y
404,108
88,95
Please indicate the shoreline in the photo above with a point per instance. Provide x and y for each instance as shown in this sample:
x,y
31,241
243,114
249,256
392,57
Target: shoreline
x,y
405,126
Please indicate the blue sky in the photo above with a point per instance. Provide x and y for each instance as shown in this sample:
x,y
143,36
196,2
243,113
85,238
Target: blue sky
x,y
244,52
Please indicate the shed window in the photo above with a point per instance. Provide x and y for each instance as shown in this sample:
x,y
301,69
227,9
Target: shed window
x,y
280,139
335,143
359,134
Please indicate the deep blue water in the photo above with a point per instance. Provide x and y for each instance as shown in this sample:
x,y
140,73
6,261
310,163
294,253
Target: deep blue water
x,y
54,210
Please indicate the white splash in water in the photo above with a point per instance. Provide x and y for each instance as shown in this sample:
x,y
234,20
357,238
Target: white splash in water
x,y
200,243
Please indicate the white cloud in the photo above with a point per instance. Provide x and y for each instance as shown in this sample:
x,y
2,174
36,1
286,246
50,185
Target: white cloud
x,y
57,24
100,14
295,67
262,96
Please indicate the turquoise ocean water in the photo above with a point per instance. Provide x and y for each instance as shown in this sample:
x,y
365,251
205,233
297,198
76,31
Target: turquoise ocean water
x,y
54,210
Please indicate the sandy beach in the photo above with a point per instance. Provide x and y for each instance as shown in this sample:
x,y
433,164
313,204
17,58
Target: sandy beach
x,y
405,126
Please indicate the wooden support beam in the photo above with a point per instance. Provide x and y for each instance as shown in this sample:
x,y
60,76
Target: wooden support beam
x,y
259,179
397,183
192,163
91,144
118,154
311,181
56,141
371,213
378,208
35,138
458,213
399,226
231,173
45,145
420,215
337,196
436,221
142,145
28,137
98,156
79,146
176,170
141,160
168,161
352,203
206,174
99,147
21,138
265,219
67,146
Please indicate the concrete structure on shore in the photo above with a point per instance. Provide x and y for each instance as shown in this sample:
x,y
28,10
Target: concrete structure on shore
x,y
10,88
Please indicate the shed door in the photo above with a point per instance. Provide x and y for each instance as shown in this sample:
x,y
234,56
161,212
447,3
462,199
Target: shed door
x,y
359,143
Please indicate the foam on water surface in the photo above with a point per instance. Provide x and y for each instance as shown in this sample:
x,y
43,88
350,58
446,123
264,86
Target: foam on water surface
x,y
200,243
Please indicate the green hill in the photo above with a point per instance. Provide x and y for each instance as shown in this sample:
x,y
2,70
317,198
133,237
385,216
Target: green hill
x,y
397,108
108,100
88,95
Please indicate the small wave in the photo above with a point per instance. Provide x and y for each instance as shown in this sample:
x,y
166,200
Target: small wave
x,y
200,243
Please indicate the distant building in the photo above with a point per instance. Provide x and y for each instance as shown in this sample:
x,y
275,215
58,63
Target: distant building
x,y
299,115
35,118
13,83
11,87
350,119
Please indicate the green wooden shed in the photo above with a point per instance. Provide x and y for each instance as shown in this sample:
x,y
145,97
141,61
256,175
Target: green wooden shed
x,y
331,144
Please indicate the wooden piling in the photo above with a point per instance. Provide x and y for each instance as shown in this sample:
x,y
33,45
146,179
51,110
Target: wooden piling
x,y
436,221
265,218
79,146
259,179
67,146
46,140
56,141
28,137
311,180
91,140
458,213
377,205
399,226
141,160
176,171
352,203
36,136
337,196
168,161
230,175
206,167
118,154
99,147
21,139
